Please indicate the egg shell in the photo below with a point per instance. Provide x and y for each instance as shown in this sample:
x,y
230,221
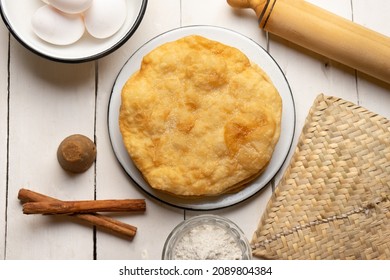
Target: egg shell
x,y
56,27
70,6
104,18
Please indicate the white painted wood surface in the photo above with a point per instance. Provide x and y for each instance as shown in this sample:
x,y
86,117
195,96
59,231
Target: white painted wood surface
x,y
3,134
42,102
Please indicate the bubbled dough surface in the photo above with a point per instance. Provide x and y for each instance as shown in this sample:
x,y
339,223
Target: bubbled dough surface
x,y
198,119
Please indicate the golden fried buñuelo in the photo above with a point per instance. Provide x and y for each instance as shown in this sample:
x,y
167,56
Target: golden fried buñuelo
x,y
198,118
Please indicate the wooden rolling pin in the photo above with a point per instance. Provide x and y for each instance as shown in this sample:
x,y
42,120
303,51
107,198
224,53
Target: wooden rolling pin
x,y
325,33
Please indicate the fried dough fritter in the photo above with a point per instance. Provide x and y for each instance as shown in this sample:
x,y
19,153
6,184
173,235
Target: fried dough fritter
x,y
199,119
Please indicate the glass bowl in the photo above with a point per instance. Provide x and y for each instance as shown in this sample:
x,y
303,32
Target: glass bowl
x,y
207,237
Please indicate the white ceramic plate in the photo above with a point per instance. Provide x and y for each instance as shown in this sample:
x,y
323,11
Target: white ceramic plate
x,y
17,15
256,54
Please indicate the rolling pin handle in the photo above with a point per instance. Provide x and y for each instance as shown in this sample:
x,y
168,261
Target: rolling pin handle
x,y
261,7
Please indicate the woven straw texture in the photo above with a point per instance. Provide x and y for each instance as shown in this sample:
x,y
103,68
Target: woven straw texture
x,y
333,201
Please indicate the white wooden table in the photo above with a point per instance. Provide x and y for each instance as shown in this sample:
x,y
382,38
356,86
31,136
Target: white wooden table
x,y
42,102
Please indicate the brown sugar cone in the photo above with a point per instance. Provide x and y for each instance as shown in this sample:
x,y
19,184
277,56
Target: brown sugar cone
x,y
76,153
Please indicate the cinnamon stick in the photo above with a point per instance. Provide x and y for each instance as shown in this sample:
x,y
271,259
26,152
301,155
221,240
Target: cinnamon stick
x,y
98,220
86,206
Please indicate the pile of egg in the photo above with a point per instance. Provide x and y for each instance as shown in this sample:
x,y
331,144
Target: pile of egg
x,y
63,22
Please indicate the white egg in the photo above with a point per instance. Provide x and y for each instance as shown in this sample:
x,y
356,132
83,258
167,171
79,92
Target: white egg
x,y
57,27
70,6
105,17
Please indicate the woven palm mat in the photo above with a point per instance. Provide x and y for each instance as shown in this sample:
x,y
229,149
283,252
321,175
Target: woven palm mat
x,y
333,200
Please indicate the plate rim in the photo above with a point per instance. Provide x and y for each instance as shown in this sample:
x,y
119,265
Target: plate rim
x,y
189,207
88,58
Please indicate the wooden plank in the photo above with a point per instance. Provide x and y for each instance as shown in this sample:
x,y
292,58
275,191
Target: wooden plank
x,y
310,74
219,13
48,101
373,95
3,134
159,219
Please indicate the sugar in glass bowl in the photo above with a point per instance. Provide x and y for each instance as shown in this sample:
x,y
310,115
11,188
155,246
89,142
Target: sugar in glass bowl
x,y
207,237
